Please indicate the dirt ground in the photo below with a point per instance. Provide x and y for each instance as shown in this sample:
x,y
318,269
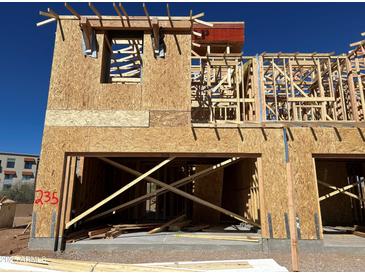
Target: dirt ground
x,y
12,244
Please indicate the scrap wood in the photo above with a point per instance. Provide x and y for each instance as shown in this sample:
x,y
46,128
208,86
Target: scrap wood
x,y
359,233
137,225
97,232
27,227
76,236
219,237
178,226
166,225
113,233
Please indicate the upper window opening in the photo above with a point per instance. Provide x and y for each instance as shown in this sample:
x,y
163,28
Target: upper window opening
x,y
123,57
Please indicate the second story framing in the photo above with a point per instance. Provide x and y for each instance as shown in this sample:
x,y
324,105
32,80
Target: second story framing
x,y
153,64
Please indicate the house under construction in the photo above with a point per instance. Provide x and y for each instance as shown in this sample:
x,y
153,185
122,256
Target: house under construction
x,y
160,120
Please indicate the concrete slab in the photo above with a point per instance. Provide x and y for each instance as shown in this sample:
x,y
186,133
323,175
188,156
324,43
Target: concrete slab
x,y
343,240
168,239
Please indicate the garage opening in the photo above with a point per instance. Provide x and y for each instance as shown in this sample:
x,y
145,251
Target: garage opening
x,y
341,192
182,195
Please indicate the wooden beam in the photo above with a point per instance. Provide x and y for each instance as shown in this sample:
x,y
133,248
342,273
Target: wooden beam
x,y
355,44
72,10
197,34
178,26
291,207
44,22
94,9
115,194
117,11
341,190
160,191
168,11
194,53
291,82
197,16
123,11
47,14
166,225
147,14
184,194
51,11
156,33
198,21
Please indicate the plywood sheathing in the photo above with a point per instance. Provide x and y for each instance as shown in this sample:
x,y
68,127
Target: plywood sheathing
x,y
50,170
208,188
72,71
169,139
166,82
97,118
327,142
161,118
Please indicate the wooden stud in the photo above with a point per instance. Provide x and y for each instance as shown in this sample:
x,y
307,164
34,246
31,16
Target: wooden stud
x,y
94,9
44,22
117,11
341,190
198,21
166,225
68,6
51,11
147,14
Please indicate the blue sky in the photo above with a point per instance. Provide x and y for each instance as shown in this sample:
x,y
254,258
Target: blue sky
x,y
26,51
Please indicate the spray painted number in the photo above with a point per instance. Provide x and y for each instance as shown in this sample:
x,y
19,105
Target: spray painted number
x,y
45,197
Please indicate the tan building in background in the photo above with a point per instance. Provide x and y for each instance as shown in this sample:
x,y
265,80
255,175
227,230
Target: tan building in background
x,y
17,168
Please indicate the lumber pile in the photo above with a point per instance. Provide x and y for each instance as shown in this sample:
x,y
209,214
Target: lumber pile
x,y
219,237
166,225
113,231
109,231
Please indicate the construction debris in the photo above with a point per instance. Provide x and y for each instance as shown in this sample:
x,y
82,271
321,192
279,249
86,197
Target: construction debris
x,y
219,237
166,225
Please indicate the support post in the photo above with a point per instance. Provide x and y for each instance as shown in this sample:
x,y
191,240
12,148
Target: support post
x,y
291,207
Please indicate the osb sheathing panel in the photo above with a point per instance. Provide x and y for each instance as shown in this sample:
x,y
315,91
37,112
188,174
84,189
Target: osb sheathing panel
x,y
163,118
49,177
75,79
166,82
304,143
